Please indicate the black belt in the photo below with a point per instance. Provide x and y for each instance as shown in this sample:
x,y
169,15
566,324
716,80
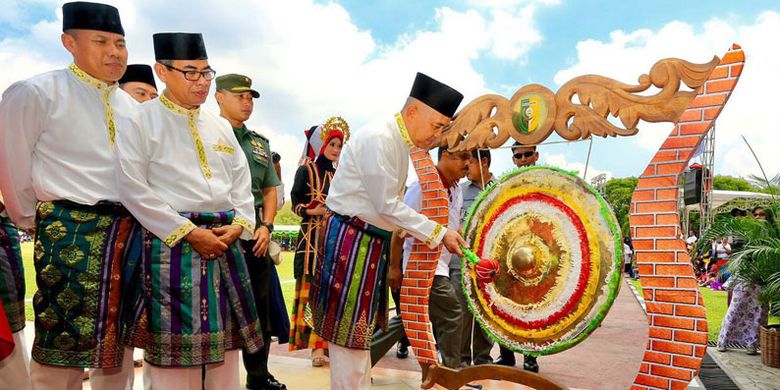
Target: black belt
x,y
364,226
101,207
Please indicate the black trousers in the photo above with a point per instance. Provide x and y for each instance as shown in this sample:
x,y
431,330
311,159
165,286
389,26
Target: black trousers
x,y
445,315
256,364
507,355
397,300
446,318
475,344
384,340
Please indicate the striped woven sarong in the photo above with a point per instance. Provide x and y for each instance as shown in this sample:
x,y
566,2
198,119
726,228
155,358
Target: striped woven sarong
x,y
191,310
349,294
301,334
79,254
11,275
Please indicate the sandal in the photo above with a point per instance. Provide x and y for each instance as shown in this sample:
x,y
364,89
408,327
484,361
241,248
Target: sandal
x,y
318,361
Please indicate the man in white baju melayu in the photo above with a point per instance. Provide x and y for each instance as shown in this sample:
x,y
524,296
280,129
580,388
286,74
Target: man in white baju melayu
x,y
348,297
183,175
57,145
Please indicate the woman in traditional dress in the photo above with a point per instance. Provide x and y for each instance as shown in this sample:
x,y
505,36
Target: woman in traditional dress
x,y
309,191
745,313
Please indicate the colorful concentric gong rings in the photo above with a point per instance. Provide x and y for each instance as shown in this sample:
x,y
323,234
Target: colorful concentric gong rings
x,y
559,249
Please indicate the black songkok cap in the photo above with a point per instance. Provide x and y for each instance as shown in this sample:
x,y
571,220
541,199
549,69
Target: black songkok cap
x,y
179,46
436,95
140,73
91,16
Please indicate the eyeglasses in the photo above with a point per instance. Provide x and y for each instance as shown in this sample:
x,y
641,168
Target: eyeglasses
x,y
520,155
194,75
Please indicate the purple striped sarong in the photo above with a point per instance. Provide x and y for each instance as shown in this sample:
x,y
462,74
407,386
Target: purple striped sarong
x,y
349,293
190,310
11,275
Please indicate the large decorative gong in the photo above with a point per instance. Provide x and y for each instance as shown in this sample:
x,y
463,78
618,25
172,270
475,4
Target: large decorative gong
x,y
559,251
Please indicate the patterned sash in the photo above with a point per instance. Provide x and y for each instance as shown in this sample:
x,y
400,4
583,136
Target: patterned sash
x,y
190,310
349,295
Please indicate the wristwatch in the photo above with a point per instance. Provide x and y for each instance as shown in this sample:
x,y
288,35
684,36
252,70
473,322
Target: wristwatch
x,y
268,226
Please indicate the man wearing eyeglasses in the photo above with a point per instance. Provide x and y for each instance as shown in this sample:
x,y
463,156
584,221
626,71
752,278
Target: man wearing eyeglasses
x,y
523,156
57,141
184,176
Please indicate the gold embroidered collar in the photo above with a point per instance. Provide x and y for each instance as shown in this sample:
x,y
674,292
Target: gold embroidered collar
x,y
177,108
89,80
399,120
192,123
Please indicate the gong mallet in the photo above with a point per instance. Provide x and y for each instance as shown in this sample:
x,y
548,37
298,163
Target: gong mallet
x,y
486,269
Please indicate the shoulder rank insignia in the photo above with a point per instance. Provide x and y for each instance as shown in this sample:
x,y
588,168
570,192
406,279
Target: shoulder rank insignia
x,y
258,151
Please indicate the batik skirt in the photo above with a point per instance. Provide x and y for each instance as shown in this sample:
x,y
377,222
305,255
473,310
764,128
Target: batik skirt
x,y
11,275
349,293
743,318
190,310
79,255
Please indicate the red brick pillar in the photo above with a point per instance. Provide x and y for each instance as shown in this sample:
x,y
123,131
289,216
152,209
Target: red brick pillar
x,y
675,309
420,270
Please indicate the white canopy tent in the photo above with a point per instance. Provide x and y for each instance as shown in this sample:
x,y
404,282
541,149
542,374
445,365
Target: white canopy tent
x,y
721,197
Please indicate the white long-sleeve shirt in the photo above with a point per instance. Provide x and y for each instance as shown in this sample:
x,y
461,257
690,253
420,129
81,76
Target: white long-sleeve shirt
x,y
279,196
55,141
413,198
370,178
173,160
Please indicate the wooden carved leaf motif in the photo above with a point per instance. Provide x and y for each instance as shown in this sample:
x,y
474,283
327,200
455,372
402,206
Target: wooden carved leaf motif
x,y
490,120
601,96
474,126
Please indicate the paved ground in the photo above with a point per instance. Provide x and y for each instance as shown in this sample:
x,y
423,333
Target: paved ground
x,y
608,359
745,370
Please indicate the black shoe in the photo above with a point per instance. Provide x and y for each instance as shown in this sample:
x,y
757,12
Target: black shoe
x,y
529,364
481,362
267,383
503,361
402,351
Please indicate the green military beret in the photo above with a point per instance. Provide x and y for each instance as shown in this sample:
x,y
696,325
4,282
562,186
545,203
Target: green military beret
x,y
236,83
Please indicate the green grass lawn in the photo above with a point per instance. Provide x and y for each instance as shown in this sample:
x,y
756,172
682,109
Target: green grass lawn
x,y
715,302
285,271
29,278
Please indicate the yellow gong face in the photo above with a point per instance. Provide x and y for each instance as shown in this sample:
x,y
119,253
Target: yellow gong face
x,y
558,248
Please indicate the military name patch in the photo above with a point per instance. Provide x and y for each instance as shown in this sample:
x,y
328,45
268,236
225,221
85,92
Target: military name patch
x,y
222,147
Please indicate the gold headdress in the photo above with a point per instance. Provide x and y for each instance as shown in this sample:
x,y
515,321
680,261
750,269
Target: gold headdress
x,y
334,123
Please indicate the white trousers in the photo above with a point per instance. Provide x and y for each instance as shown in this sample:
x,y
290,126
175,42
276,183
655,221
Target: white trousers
x,y
350,369
46,377
222,376
15,368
